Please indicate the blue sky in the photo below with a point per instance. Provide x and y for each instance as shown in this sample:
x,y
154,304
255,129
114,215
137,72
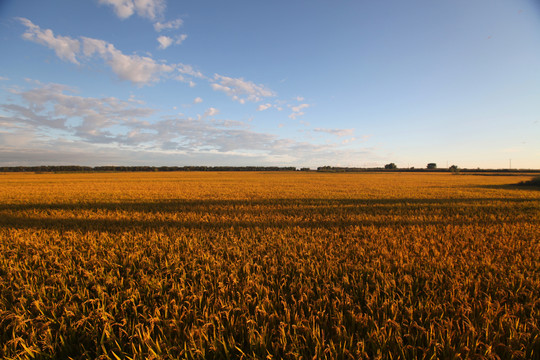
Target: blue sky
x,y
273,83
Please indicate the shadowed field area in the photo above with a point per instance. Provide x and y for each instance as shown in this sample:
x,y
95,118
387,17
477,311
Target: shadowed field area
x,y
257,265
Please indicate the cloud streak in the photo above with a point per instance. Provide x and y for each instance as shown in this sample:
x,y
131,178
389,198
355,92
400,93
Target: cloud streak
x,y
169,25
65,47
166,41
139,70
263,107
298,110
336,132
240,90
150,9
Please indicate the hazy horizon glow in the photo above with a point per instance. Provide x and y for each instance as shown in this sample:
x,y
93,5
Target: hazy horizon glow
x,y
296,83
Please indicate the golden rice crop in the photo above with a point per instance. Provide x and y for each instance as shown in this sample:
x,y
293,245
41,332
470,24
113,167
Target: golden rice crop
x,y
268,265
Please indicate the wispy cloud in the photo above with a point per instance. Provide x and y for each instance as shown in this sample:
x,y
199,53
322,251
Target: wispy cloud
x,y
140,70
166,41
211,112
188,70
297,110
240,90
54,106
180,39
169,25
150,9
198,100
337,132
65,47
263,107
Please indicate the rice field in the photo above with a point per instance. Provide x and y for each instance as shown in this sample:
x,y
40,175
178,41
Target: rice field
x,y
277,265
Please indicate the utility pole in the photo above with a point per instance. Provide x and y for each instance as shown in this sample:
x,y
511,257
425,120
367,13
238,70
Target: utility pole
x,y
510,161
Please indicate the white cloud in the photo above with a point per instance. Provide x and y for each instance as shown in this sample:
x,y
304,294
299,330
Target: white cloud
x,y
150,9
65,47
240,89
133,99
189,70
211,112
337,132
139,70
198,100
164,42
92,46
169,25
54,106
180,39
299,107
122,8
186,71
297,110
263,107
2,78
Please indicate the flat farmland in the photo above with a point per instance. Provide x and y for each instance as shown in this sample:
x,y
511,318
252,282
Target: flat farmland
x,y
216,265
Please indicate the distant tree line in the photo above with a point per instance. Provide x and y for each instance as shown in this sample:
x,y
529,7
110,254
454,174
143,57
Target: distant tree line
x,y
111,168
393,168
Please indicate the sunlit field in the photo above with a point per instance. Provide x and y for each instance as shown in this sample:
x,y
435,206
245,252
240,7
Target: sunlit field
x,y
269,265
